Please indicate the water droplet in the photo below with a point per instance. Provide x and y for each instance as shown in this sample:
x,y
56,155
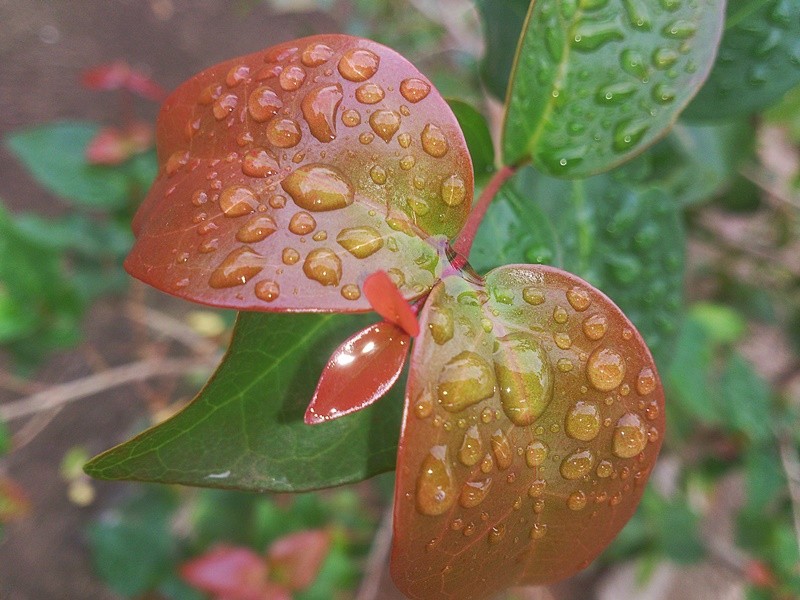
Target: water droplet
x,y
318,188
589,36
628,133
385,124
315,54
236,75
564,365
237,201
469,529
268,291
595,327
560,315
496,534
263,104
358,64
290,256
277,201
291,78
414,89
351,291
351,118
434,141
533,296
663,93
257,163
577,500
453,190
224,106
583,421
175,161
302,223
238,267
471,448
638,16
407,162
630,436
562,340
319,108
524,377
361,242
536,453
579,299
419,206
652,411
577,464
440,324
283,133
435,494
256,229
465,380
501,448
487,464
324,266
604,469
605,369
646,381
538,531
671,5
615,93
664,58
366,137
209,94
474,492
632,62
370,93
199,198
681,29
378,175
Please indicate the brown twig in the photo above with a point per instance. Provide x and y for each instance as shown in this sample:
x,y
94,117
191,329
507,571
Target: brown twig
x,y
171,327
377,559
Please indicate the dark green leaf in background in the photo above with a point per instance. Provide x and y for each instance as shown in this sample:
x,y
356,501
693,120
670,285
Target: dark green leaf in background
x,y
758,59
479,139
764,476
746,399
598,81
502,22
5,439
245,429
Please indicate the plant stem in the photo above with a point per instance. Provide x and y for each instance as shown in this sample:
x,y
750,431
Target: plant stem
x,y
463,243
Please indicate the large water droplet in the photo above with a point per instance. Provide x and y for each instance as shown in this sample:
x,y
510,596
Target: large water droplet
x,y
579,299
385,124
533,296
263,104
315,54
524,376
257,163
615,93
605,369
267,290
414,89
453,190
435,494
378,175
440,324
434,141
302,223
583,421
589,36
501,448
318,188
319,110
324,266
256,229
291,78
465,380
577,464
628,133
471,448
238,267
370,93
361,242
630,436
536,453
283,133
633,63
358,64
474,492
237,201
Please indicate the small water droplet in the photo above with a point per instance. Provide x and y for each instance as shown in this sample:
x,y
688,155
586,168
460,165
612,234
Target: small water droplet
x,y
257,163
385,124
465,379
646,381
291,78
471,447
680,29
414,89
664,58
630,436
236,75
637,13
434,489
378,174
565,365
263,104
663,93
628,133
562,340
224,106
209,94
487,464
358,64
633,63
652,411
256,229
318,188
290,256
361,242
302,223
538,531
474,492
588,36
595,327
501,448
351,291
576,500
319,108
267,290
577,464
370,93
351,118
583,421
407,162
237,268
324,266
615,93
496,534
524,377
605,369
454,191
237,201
536,453
315,55
434,141
579,299
604,469
533,296
560,315
440,324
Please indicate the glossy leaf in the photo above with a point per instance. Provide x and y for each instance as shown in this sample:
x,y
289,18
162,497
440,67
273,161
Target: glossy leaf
x,y
479,138
289,175
534,415
385,299
758,60
359,372
245,429
502,22
595,83
626,240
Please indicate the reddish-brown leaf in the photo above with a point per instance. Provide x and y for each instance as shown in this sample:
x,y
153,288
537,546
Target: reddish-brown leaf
x,y
534,415
120,75
295,559
385,299
233,573
360,372
289,175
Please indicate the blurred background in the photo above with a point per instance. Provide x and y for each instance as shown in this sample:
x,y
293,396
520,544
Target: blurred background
x,y
89,357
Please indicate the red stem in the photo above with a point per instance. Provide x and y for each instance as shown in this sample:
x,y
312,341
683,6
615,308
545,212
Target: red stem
x,y
463,243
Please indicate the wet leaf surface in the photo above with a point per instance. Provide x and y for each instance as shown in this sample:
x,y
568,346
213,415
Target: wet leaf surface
x,y
245,429
289,175
533,417
757,62
595,83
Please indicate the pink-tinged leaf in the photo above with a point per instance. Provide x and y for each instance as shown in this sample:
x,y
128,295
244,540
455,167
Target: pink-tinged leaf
x,y
113,146
386,300
360,372
289,175
533,418
14,502
120,75
231,572
295,559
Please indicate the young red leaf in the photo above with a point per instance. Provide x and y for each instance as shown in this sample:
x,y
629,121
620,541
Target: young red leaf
x,y
360,372
232,573
14,502
120,75
385,299
295,559
113,146
289,175
534,415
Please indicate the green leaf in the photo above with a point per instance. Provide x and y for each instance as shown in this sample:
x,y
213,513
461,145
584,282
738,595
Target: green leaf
x,y
502,22
594,84
245,429
55,155
746,399
675,526
758,59
723,324
5,439
688,374
600,229
764,477
479,139
786,113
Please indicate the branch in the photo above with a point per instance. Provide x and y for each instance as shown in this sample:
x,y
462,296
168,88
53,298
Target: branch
x,y
463,243
59,395
378,557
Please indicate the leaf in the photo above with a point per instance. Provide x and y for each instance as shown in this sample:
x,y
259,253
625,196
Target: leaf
x,y
601,229
5,439
479,138
289,175
765,479
502,22
533,417
55,154
232,572
295,559
746,400
596,83
385,299
120,75
758,60
245,429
